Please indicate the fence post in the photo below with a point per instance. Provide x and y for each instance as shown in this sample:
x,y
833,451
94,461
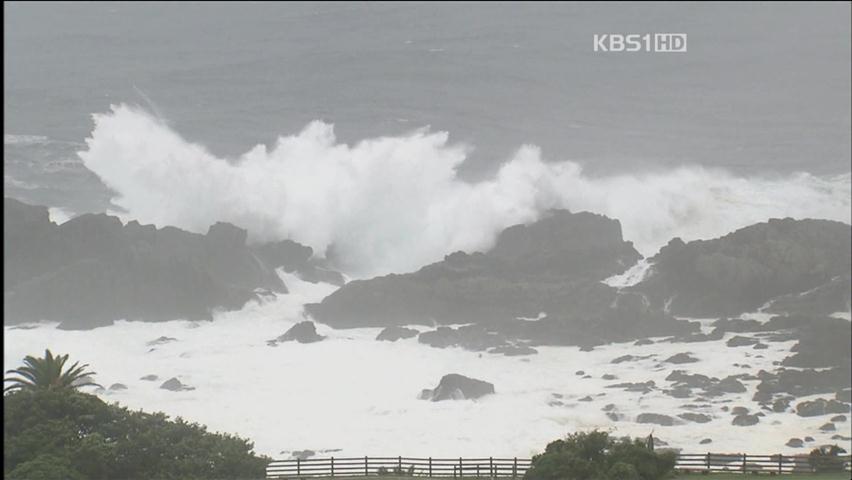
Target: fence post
x,y
430,466
491,465
461,468
298,466
708,461
515,468
744,462
780,459
366,468
477,470
332,466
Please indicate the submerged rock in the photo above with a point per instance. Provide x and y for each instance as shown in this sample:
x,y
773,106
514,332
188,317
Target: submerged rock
x,y
394,333
514,350
695,417
161,341
175,385
656,418
681,358
457,387
150,378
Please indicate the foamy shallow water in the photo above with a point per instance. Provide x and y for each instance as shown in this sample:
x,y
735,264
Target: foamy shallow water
x,y
353,393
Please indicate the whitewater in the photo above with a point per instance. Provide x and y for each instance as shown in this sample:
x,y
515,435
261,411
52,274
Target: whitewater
x,y
353,395
395,203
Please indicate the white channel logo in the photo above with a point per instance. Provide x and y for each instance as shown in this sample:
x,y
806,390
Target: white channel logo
x,y
649,42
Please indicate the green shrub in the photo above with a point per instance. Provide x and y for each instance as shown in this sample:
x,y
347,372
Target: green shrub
x,y
827,459
65,434
597,456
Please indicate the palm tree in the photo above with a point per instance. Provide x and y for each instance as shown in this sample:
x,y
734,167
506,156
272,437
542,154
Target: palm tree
x,y
47,374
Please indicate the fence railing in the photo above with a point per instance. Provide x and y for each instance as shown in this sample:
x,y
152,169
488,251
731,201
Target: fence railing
x,y
399,466
516,467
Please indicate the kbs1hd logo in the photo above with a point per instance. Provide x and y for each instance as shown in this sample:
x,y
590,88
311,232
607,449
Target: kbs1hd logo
x,y
649,42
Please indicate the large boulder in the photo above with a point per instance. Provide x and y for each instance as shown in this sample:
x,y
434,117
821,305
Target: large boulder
x,y
392,334
302,332
457,387
175,385
656,418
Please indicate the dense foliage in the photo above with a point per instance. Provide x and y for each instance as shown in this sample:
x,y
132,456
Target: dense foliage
x,y
597,456
827,459
63,434
48,372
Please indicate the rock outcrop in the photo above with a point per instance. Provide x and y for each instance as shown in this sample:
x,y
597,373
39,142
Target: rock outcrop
x,y
92,269
302,332
745,269
457,387
554,265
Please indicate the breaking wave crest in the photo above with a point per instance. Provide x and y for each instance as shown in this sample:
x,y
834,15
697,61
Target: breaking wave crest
x,y
392,204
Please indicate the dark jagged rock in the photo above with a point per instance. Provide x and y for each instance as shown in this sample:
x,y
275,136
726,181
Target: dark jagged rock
x,y
554,265
586,399
656,418
294,257
302,332
738,325
470,337
828,427
838,418
695,417
819,407
175,385
781,405
92,270
809,439
800,383
643,387
825,299
739,411
795,443
681,358
457,387
823,342
711,386
392,334
743,270
579,373
150,378
705,441
739,341
608,376
745,420
118,386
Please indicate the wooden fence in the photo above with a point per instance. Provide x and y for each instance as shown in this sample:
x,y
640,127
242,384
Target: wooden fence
x,y
399,466
516,467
